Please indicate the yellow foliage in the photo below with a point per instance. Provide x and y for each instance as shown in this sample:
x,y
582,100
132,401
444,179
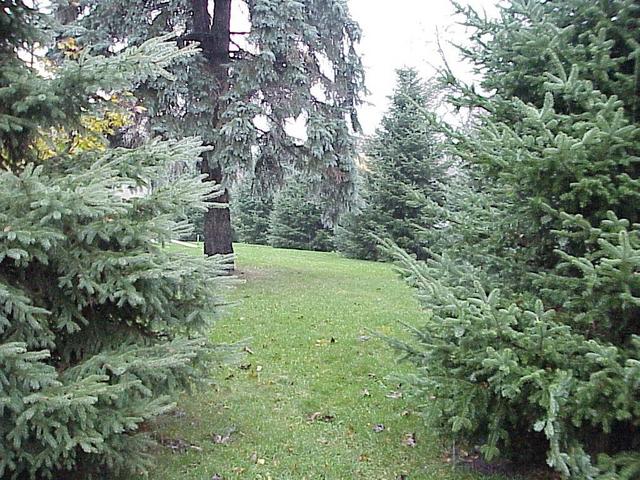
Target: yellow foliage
x,y
69,47
90,137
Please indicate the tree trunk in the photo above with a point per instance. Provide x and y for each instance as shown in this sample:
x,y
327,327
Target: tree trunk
x,y
214,36
217,220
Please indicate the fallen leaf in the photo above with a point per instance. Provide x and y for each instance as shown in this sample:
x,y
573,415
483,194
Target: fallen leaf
x,y
261,461
396,394
176,445
319,416
223,438
245,366
248,350
217,477
379,427
363,457
365,393
410,440
259,368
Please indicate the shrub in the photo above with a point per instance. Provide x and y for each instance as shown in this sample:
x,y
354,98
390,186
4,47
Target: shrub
x,y
100,326
543,355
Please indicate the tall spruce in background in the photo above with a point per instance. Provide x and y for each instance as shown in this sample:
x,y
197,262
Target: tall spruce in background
x,y
402,168
296,60
100,326
548,364
296,218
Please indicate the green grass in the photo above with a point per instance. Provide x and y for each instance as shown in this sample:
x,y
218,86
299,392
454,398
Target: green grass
x,y
292,304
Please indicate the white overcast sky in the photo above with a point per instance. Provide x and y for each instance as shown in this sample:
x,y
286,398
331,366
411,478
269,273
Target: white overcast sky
x,y
401,33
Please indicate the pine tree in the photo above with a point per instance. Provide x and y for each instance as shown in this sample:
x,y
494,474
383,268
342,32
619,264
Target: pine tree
x,y
541,359
297,61
251,210
296,219
402,171
100,326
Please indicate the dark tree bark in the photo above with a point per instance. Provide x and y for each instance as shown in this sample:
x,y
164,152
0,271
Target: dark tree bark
x,y
214,37
217,220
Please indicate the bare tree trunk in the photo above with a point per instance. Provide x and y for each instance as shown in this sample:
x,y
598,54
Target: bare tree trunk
x,y
217,220
214,36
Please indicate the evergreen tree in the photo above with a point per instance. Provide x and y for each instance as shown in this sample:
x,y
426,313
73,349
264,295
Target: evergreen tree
x,y
296,61
402,171
541,358
100,327
251,210
296,219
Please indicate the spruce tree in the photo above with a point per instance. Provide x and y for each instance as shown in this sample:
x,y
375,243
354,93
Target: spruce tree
x,y
541,359
251,210
100,326
297,61
296,219
402,171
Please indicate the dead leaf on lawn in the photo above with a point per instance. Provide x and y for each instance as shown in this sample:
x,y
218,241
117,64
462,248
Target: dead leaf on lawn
x,y
223,438
365,393
394,395
378,427
245,366
321,417
217,477
323,342
176,445
410,440
248,350
363,457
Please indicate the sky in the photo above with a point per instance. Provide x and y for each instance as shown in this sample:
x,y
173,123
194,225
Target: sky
x,y
402,33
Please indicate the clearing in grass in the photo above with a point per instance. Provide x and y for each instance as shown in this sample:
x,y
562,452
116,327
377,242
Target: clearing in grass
x,y
312,398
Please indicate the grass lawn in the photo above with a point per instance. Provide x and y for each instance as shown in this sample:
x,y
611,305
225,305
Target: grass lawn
x,y
305,403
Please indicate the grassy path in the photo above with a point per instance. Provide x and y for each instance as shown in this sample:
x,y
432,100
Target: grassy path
x,y
304,405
